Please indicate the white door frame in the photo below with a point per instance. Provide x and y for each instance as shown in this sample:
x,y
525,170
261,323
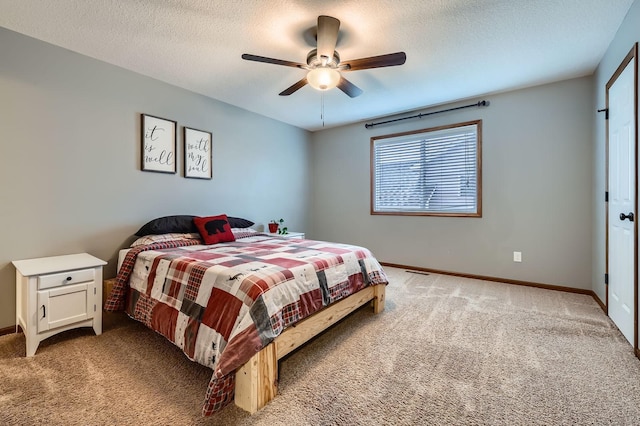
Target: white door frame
x,y
631,56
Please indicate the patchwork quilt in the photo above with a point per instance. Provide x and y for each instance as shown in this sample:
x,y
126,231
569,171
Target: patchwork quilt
x,y
223,303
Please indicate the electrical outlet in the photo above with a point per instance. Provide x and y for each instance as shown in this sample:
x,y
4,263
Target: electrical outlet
x,y
517,256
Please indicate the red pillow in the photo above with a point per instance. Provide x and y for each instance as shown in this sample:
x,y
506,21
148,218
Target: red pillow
x,y
214,229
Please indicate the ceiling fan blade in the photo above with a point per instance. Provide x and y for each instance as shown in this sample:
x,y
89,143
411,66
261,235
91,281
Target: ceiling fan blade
x,y
328,28
388,60
266,60
294,87
349,88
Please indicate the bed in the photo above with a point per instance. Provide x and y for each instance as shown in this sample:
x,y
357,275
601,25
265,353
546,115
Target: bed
x,y
239,306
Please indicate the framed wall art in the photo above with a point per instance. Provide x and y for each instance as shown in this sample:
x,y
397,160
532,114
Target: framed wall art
x,y
158,144
198,154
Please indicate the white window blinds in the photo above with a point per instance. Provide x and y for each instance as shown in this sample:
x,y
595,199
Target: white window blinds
x,y
430,172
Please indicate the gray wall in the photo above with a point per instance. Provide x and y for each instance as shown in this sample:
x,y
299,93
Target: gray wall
x,y
628,34
70,178
536,183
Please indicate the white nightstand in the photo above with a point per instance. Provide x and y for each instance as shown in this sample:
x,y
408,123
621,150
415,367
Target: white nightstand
x,y
55,294
288,235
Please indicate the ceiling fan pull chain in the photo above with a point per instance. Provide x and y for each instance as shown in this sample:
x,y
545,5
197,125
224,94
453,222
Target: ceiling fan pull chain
x,y
322,108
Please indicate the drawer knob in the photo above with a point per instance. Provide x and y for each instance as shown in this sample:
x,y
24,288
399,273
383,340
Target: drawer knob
x,y
69,278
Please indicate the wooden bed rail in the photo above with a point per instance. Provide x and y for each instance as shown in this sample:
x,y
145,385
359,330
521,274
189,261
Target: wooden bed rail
x,y
257,380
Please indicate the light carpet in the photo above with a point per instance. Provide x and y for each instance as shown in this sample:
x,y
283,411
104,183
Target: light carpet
x,y
446,351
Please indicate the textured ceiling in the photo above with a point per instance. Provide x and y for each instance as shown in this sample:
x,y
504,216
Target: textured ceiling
x,y
456,49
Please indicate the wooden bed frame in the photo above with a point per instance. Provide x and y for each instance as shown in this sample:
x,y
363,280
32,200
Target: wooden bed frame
x,y
257,380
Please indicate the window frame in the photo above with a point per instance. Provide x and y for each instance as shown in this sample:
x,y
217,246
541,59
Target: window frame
x,y
478,212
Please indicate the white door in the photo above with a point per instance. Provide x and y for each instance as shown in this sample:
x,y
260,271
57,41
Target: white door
x,y
622,202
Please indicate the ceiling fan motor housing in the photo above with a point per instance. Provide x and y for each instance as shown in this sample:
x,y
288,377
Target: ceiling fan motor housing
x,y
314,62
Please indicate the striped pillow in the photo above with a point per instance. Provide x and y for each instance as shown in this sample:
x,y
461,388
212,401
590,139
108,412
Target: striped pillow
x,y
160,238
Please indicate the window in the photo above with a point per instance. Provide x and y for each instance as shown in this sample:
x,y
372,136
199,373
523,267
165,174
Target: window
x,y
435,172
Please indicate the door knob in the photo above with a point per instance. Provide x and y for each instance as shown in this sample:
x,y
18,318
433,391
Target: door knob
x,y
627,216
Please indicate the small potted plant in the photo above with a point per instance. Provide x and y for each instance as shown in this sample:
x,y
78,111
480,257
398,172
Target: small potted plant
x,y
274,225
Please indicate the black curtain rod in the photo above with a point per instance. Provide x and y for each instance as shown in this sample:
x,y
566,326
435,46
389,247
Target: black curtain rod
x,y
478,104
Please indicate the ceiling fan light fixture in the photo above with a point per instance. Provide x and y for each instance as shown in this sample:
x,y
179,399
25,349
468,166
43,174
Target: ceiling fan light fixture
x,y
323,78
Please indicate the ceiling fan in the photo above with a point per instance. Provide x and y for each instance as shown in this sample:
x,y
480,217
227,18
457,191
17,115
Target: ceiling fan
x,y
323,63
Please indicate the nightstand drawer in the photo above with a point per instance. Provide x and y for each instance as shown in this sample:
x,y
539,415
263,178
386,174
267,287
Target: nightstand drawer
x,y
65,278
